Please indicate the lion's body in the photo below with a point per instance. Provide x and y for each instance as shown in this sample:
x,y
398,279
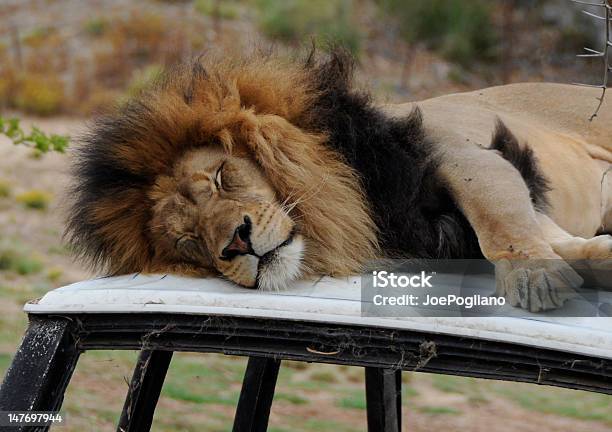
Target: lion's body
x,y
261,169
553,119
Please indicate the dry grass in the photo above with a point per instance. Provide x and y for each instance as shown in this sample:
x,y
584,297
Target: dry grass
x,y
97,51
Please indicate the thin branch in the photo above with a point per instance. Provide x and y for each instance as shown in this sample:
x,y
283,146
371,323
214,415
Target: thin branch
x,y
587,3
601,100
603,18
606,5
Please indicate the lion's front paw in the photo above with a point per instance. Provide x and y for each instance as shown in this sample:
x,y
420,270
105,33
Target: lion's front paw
x,y
536,285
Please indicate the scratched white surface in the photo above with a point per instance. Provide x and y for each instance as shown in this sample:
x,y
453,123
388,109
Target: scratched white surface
x,y
328,300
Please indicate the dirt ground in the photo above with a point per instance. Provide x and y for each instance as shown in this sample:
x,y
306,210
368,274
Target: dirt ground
x,y
201,390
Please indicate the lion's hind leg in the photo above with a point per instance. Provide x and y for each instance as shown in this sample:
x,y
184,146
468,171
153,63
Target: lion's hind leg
x,y
590,257
578,248
571,247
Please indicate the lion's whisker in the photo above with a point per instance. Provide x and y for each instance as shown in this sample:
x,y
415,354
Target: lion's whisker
x,y
311,193
306,195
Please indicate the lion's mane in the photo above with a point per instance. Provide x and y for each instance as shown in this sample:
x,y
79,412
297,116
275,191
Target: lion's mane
x,y
363,184
263,104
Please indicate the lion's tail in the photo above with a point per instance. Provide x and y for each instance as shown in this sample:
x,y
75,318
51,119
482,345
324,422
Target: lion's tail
x,y
524,161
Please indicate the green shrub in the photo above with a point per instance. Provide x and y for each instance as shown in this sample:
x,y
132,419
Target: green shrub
x,y
28,265
8,258
5,189
461,31
54,274
96,27
291,398
324,376
34,199
39,95
439,410
298,20
226,9
15,260
354,401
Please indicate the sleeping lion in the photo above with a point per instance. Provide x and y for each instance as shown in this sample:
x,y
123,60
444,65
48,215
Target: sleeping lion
x,y
264,170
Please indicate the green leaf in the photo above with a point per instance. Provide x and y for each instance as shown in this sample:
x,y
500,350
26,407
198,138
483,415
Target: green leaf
x,y
13,130
59,143
37,139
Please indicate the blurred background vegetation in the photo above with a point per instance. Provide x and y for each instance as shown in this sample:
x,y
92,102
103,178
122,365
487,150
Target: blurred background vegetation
x,y
79,56
63,60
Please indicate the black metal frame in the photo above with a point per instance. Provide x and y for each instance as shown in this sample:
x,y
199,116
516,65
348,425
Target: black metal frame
x,y
43,365
145,388
256,396
384,399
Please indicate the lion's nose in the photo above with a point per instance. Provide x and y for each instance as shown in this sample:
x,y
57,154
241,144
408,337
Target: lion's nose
x,y
241,241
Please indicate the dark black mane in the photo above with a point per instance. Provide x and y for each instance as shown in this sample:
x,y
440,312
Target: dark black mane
x,y
414,211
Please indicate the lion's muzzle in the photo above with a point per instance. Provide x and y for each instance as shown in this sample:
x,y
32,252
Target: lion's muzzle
x,y
264,251
241,241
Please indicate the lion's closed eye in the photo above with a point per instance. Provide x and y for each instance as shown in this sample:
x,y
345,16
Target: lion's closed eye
x,y
218,179
230,178
190,247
